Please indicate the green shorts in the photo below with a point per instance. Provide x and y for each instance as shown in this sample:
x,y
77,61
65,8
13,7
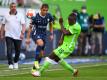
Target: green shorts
x,y
64,51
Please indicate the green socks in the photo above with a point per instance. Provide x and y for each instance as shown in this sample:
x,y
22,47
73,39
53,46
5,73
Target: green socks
x,y
45,65
62,63
66,65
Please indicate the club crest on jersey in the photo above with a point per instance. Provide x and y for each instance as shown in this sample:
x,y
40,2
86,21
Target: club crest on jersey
x,y
38,36
48,19
39,21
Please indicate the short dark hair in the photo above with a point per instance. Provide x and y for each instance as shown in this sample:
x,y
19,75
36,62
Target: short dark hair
x,y
83,7
12,3
44,6
72,16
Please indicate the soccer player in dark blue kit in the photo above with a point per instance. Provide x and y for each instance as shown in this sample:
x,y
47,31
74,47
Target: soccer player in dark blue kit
x,y
37,30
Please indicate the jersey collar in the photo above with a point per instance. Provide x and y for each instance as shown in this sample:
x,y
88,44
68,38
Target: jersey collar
x,y
41,15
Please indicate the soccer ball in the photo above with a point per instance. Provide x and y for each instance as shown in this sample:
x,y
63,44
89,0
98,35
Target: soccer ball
x,y
30,13
36,74
22,56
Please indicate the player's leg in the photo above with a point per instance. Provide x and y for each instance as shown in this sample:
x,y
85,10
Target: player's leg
x,y
93,43
17,45
54,57
67,66
41,45
58,56
79,50
48,61
99,36
9,52
38,53
63,52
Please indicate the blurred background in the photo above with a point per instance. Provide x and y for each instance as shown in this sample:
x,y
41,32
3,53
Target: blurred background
x,y
90,54
85,45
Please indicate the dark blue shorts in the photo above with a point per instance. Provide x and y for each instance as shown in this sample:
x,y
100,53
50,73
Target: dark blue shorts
x,y
36,36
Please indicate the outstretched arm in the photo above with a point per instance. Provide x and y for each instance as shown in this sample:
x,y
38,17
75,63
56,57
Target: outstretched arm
x,y
66,32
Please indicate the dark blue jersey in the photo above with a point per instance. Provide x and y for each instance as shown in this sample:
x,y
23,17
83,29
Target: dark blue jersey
x,y
99,21
40,23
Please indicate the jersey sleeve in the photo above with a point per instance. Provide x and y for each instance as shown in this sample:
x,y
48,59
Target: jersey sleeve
x,y
33,20
73,29
50,18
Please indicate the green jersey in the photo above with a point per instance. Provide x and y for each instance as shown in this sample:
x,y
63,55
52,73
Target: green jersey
x,y
69,41
75,31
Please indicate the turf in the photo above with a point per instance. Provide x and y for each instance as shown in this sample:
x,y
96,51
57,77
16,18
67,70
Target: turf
x,y
89,71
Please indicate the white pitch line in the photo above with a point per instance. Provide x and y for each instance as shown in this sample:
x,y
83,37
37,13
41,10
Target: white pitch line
x,y
52,69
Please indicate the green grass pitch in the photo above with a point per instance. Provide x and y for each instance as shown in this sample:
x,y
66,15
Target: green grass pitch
x,y
89,71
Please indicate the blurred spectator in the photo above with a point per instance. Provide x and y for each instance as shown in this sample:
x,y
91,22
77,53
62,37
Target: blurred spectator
x,y
83,21
98,29
14,27
56,23
8,2
20,3
29,3
57,32
0,2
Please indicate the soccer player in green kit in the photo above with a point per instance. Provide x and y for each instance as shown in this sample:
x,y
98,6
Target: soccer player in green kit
x,y
70,37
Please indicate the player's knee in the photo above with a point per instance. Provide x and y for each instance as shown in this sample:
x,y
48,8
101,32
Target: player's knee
x,y
48,60
37,57
39,49
54,57
40,42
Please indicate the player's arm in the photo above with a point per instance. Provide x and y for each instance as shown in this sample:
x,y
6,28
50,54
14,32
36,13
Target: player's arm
x,y
61,39
29,31
23,31
22,21
51,28
28,34
23,28
66,32
2,31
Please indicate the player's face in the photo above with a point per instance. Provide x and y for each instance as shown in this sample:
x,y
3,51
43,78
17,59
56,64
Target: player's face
x,y
13,7
84,10
71,20
44,11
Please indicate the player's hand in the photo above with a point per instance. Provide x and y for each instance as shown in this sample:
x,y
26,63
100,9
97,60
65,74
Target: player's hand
x,y
21,36
28,41
60,20
51,37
